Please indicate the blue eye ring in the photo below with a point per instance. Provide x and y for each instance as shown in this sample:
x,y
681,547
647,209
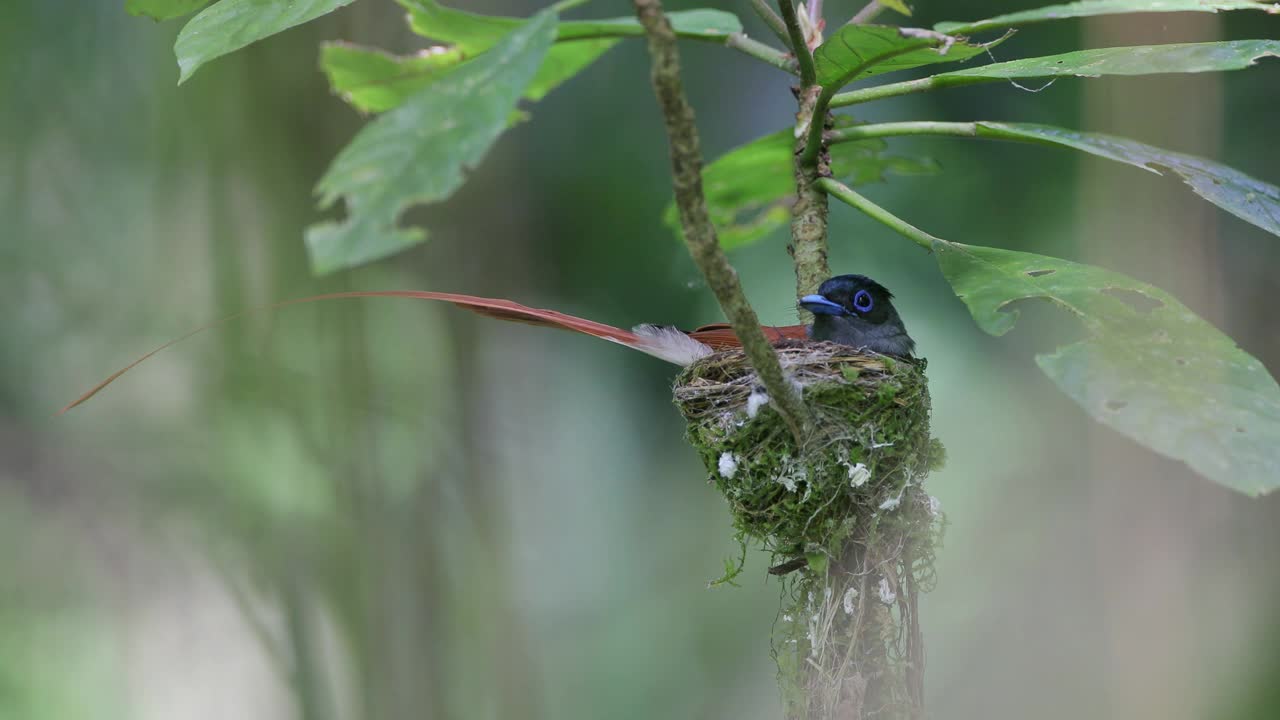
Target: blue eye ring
x,y
862,301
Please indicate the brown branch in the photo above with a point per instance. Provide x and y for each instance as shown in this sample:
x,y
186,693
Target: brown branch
x,y
699,233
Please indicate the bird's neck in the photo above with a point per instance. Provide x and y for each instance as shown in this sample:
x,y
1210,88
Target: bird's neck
x,y
889,338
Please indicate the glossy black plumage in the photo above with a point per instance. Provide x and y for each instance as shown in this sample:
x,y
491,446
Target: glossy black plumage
x,y
857,311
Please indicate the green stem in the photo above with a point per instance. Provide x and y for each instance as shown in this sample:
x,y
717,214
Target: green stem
x,y
771,19
808,75
899,129
880,92
760,51
846,194
825,101
736,41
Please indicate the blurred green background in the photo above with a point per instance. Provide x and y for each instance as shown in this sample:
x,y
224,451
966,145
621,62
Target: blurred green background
x,y
384,509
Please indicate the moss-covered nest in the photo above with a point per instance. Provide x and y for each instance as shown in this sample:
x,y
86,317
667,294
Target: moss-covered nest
x,y
844,514
868,447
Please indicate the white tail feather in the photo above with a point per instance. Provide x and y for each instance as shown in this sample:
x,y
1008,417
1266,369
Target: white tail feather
x,y
667,343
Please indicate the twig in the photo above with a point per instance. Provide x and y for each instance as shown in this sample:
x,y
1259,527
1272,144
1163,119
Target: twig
x,y
867,14
798,43
699,233
815,12
898,129
888,90
774,22
844,193
760,51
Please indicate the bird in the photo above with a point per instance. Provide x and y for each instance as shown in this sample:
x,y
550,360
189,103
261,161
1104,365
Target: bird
x,y
857,311
851,310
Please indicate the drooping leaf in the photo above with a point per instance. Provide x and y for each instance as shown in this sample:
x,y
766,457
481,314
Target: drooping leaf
x,y
1150,368
163,9
858,51
1245,197
229,25
417,152
750,189
374,81
1088,8
1138,60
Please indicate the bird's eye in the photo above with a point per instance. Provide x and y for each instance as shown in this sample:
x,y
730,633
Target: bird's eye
x,y
862,301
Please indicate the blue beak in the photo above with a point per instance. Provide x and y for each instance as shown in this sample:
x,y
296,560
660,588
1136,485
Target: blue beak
x,y
819,305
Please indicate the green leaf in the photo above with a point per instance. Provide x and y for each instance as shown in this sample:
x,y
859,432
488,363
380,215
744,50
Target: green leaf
x,y
705,24
859,51
1150,368
1089,8
1245,197
473,33
417,152
163,9
375,81
230,25
897,6
578,44
750,189
1139,60
565,60
372,80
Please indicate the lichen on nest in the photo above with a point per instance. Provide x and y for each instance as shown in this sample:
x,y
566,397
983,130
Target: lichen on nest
x,y
846,514
868,447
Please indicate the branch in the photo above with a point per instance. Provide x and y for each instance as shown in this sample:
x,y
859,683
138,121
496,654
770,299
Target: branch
x,y
899,129
760,51
798,43
844,193
771,19
699,233
880,92
867,14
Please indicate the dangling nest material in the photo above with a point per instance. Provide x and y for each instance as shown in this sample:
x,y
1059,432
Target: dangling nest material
x,y
847,511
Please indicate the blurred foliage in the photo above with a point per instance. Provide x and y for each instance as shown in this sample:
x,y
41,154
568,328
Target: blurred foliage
x,y
428,515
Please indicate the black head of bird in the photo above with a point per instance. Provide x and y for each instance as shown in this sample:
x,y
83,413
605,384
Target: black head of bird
x,y
857,311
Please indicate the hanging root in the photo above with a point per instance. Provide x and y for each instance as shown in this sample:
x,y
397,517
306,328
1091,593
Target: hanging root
x,y
847,512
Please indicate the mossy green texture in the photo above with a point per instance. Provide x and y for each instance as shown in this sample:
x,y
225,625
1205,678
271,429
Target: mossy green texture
x,y
850,502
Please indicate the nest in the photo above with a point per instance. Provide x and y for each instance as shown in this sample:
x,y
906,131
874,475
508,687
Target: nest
x,y
844,514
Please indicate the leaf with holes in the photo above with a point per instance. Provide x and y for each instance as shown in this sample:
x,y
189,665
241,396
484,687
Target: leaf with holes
x,y
859,51
1239,194
417,152
751,188
1137,60
230,25
1090,8
163,9
1150,367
